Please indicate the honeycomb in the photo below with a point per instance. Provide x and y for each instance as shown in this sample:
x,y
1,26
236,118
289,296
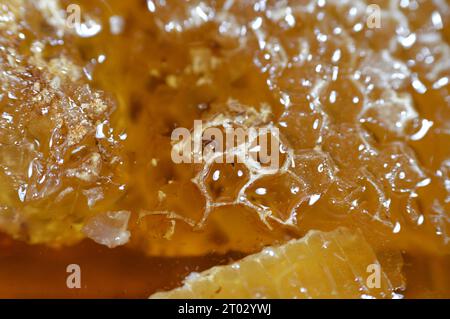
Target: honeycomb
x,y
362,111
320,265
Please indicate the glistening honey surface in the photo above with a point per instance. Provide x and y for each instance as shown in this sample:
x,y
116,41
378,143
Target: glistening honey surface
x,y
88,112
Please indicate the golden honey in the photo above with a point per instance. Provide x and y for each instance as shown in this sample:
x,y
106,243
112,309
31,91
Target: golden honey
x,y
89,102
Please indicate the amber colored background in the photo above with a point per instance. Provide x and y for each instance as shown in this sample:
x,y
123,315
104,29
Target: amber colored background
x,y
40,272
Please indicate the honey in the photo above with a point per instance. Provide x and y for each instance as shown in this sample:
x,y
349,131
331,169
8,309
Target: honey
x,y
88,109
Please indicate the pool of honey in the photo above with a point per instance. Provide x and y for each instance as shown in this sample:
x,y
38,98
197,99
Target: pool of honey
x,y
41,272
150,73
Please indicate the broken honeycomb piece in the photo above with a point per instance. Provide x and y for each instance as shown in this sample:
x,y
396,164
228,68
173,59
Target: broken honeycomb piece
x,y
338,264
56,141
